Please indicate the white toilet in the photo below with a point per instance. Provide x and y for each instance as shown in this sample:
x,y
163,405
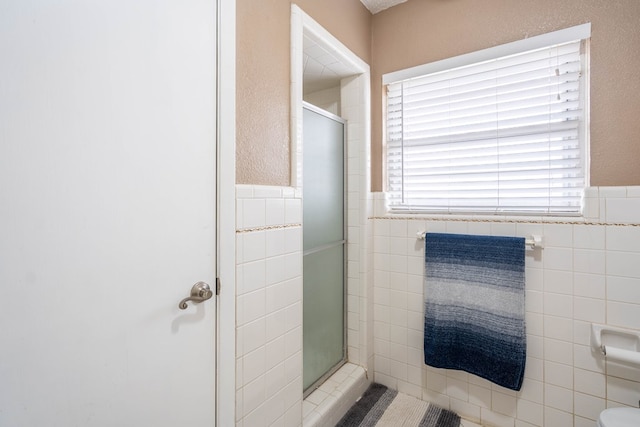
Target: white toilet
x,y
619,417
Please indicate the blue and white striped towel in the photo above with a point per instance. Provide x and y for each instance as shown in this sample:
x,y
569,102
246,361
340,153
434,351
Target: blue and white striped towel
x,y
474,306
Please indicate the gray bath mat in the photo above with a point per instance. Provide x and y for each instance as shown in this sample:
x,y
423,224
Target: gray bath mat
x,y
382,407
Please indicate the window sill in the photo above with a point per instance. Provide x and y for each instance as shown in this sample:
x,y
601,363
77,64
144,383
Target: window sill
x,y
483,217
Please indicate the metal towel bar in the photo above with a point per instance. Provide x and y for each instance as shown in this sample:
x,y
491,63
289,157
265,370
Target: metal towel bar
x,y
534,241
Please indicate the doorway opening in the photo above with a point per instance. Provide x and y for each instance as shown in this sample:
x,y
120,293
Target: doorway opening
x,y
348,96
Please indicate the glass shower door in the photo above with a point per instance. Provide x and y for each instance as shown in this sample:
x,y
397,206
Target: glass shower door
x,y
324,246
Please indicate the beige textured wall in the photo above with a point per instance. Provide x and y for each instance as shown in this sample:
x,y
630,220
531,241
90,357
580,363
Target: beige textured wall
x,y
422,31
262,86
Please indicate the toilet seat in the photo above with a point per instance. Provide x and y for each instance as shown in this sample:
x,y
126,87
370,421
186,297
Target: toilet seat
x,y
619,417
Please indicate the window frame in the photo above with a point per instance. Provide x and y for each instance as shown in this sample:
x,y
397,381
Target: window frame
x,y
580,32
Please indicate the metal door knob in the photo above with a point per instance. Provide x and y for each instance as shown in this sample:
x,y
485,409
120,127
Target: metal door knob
x,y
199,292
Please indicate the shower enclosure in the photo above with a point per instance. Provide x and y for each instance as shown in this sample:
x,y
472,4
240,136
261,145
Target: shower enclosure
x,y
324,246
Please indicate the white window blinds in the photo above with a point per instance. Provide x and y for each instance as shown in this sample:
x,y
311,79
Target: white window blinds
x,y
505,135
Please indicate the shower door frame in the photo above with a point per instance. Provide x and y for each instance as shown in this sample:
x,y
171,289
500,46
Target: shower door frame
x,y
345,253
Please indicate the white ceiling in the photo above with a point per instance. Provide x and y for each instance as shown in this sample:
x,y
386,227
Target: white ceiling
x,y
322,70
376,6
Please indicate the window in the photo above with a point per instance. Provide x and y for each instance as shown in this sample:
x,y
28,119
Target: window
x,y
503,130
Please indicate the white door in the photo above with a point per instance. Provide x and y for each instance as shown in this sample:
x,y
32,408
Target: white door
x,y
107,212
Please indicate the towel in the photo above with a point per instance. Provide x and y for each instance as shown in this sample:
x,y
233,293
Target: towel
x,y
474,306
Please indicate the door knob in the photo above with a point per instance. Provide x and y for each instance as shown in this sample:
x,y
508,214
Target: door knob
x,y
199,292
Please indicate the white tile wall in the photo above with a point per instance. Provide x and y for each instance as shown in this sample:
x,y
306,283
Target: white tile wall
x,y
588,272
269,307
